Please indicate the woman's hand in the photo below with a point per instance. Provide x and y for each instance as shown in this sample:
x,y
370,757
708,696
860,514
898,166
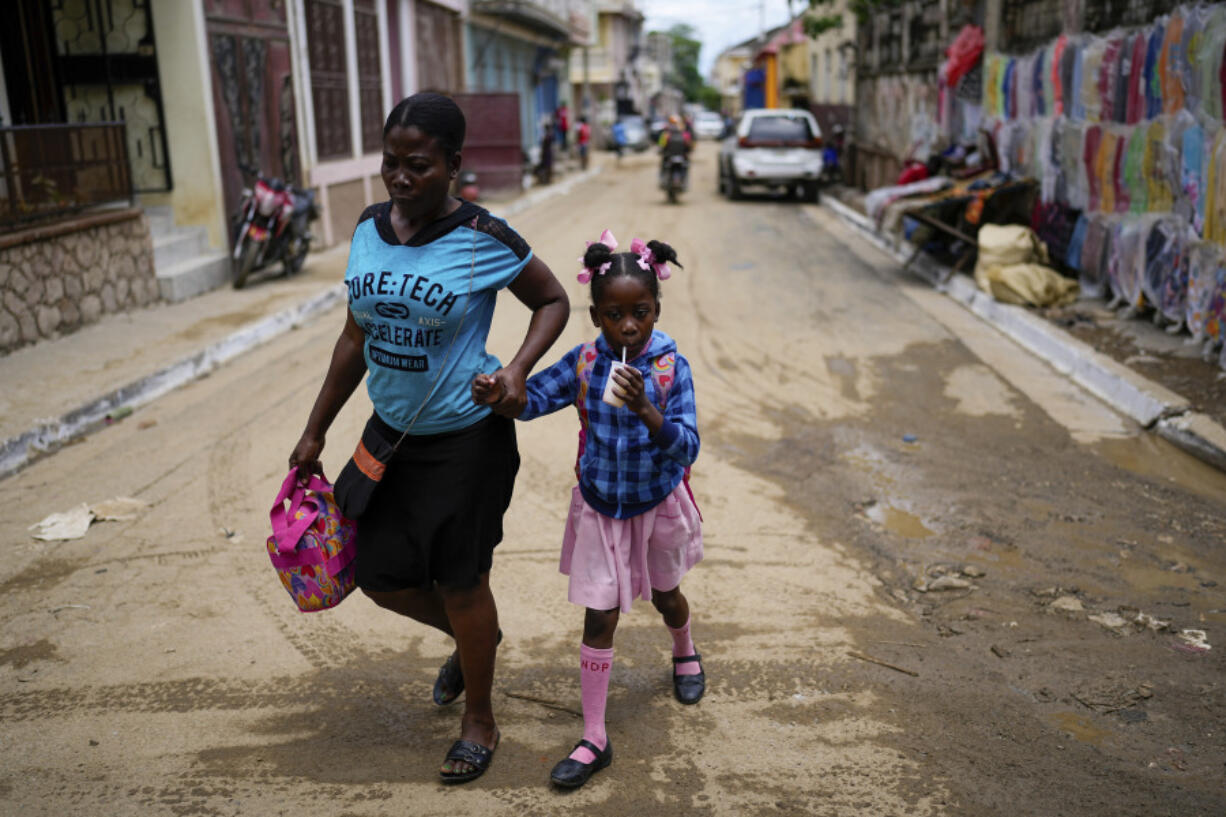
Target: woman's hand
x,y
305,456
486,389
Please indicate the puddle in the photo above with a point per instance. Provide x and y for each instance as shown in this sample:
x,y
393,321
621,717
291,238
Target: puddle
x,y
1078,727
905,524
1151,456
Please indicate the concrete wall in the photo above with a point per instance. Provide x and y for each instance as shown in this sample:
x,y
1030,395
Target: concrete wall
x,y
59,278
187,98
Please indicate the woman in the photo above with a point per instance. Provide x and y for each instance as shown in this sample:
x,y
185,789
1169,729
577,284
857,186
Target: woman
x,y
423,275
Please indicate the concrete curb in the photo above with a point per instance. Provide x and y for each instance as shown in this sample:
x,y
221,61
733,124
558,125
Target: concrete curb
x,y
1151,405
18,451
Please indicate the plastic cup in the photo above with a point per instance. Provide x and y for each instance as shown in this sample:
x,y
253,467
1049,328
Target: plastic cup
x,y
609,395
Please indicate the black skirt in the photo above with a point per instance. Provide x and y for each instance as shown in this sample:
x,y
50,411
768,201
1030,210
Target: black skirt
x,y
437,513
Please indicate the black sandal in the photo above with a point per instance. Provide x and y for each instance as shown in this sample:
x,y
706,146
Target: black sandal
x,y
450,681
689,689
571,774
472,753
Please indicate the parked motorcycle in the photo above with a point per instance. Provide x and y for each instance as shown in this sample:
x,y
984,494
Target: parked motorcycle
x,y
272,224
673,176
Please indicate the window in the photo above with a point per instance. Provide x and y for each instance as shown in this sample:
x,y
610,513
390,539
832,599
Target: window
x,y
329,81
370,75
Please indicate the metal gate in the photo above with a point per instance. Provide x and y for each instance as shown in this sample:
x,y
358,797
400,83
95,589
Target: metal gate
x,y
106,61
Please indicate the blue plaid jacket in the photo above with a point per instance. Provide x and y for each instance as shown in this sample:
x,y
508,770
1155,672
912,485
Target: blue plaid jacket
x,y
624,470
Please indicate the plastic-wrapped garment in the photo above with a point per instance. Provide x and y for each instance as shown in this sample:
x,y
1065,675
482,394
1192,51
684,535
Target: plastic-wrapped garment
x,y
1134,174
1109,81
1093,277
1054,225
1158,179
1209,60
1093,143
1025,90
1078,105
1215,190
1010,88
1152,79
1068,59
1070,185
1076,244
963,53
1046,86
1126,262
991,84
1035,76
1162,239
1174,297
1046,168
1136,80
1173,61
1215,313
1108,156
1205,270
1191,167
1193,31
1091,97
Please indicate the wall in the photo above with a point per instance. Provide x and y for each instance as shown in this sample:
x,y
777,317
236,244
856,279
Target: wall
x,y
187,99
59,278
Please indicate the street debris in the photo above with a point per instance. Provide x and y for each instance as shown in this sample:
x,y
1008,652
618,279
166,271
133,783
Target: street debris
x,y
1112,696
73,523
881,663
1067,604
973,571
70,524
945,577
1194,641
1000,652
55,610
909,438
1111,621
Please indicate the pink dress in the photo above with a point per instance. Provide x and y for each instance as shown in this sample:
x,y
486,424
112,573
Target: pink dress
x,y
611,562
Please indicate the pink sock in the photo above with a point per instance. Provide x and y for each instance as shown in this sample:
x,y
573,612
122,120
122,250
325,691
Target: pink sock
x,y
683,646
594,666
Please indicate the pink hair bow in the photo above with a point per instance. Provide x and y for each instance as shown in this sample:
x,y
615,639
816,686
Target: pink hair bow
x,y
609,241
647,259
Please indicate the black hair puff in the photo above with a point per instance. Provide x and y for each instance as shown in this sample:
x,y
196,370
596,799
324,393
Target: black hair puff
x,y
663,252
596,255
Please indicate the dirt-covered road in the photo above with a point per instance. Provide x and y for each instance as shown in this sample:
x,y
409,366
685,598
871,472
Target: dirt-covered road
x,y
939,579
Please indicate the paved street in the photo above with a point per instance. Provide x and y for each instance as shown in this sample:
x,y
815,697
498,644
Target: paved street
x,y
908,524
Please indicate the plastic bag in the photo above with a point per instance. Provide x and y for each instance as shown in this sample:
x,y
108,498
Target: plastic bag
x,y
1126,262
1163,238
1174,296
1204,269
1134,173
1093,273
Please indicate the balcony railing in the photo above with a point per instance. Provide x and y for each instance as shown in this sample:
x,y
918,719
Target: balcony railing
x,y
49,171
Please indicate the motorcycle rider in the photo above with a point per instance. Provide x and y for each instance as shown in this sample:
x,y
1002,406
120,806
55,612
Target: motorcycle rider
x,y
674,141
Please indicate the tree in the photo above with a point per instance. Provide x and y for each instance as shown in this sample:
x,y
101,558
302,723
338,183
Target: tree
x,y
817,24
686,48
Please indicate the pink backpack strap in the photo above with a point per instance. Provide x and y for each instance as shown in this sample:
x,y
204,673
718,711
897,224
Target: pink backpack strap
x,y
583,373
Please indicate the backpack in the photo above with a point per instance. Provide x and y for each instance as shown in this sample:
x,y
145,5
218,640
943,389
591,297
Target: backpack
x,y
662,374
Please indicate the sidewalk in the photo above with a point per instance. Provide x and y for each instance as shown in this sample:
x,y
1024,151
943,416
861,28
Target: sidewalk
x,y
62,389
1139,370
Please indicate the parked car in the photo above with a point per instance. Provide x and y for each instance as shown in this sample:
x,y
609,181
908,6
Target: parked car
x,y
708,125
636,132
775,149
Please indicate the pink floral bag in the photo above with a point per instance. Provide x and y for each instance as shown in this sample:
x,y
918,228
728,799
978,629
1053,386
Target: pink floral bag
x,y
312,545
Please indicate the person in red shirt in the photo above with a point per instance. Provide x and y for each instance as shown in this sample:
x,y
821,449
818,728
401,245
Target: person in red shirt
x,y
583,138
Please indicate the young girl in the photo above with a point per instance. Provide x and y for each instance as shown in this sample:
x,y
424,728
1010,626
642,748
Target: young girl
x,y
633,529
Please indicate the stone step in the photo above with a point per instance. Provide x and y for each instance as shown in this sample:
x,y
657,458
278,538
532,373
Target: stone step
x,y
174,247
161,219
194,276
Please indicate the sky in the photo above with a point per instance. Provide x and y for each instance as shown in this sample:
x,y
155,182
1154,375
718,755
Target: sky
x,y
720,23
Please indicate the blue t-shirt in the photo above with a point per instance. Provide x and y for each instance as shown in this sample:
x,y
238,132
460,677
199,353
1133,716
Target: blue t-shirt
x,y
409,298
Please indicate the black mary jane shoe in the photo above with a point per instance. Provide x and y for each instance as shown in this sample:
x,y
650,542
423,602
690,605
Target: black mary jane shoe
x,y
571,774
689,689
450,681
466,751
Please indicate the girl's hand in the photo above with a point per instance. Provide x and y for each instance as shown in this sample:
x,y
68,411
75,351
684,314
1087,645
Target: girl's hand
x,y
305,456
486,389
511,391
629,387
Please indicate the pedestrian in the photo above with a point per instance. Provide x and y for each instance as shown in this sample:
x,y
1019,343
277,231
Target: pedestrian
x,y
619,138
633,530
544,170
561,120
423,276
583,138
